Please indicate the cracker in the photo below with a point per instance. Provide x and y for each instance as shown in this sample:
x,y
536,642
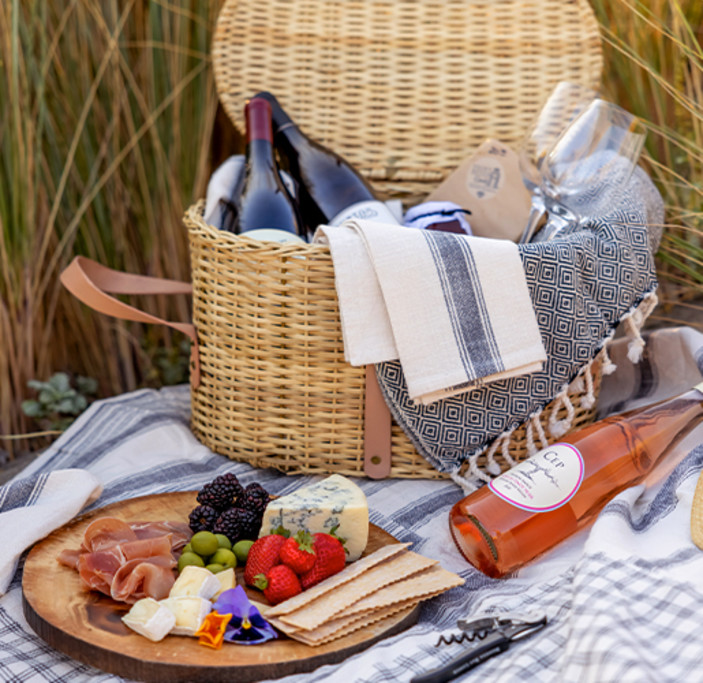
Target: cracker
x,y
347,574
282,626
367,584
263,609
343,627
420,586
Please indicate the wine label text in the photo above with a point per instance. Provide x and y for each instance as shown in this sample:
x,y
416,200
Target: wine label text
x,y
543,482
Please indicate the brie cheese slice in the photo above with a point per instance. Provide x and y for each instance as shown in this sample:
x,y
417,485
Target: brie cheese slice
x,y
189,612
196,582
150,619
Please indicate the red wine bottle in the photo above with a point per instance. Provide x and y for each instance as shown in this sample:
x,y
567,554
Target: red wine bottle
x,y
262,206
330,189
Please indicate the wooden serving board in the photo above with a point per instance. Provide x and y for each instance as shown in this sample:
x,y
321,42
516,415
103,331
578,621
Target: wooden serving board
x,y
87,625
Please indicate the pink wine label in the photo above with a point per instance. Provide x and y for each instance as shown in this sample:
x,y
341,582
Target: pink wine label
x,y
543,482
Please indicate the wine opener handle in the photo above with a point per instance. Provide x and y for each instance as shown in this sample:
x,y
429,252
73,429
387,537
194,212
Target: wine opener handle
x,y
492,645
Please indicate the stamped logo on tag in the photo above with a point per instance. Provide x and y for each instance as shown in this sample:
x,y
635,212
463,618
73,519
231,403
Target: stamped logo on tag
x,y
485,177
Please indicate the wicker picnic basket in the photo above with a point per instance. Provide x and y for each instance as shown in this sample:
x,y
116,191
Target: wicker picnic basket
x,y
404,89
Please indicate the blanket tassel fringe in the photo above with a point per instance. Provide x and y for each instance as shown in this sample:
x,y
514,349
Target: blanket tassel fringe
x,y
481,474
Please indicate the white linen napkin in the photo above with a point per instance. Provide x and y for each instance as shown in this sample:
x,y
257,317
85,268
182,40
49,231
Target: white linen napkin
x,y
454,309
31,508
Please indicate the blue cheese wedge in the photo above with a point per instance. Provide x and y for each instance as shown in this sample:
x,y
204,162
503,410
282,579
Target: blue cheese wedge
x,y
334,505
150,619
190,612
195,582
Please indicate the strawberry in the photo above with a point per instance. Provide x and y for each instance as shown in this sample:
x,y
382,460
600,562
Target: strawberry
x,y
330,559
298,552
263,555
279,584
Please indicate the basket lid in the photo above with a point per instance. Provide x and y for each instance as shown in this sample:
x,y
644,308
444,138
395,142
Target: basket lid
x,y
405,89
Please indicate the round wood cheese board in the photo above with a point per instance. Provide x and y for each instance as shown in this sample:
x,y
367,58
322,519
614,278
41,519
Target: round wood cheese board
x,y
87,626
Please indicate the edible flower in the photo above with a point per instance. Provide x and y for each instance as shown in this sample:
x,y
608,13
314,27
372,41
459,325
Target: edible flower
x,y
246,625
212,630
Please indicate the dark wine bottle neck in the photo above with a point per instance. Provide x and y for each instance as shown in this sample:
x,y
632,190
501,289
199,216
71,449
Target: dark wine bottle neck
x,y
260,153
284,128
290,135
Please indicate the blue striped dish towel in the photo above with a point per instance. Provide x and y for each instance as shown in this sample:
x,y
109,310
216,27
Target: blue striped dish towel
x,y
32,507
454,309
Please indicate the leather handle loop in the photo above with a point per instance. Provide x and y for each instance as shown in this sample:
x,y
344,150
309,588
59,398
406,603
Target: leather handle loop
x,y
377,429
90,281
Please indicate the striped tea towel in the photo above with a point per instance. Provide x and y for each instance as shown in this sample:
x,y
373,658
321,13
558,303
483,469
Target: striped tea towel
x,y
454,309
31,508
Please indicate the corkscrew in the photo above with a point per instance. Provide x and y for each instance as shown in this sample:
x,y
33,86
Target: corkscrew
x,y
488,635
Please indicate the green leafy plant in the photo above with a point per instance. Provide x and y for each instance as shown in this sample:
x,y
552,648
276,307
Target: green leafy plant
x,y
170,365
58,403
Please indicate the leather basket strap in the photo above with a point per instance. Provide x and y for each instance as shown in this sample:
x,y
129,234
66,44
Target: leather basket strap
x,y
90,283
377,429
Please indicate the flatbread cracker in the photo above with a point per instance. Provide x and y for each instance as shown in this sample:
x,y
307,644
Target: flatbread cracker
x,y
339,600
347,574
282,626
333,631
420,586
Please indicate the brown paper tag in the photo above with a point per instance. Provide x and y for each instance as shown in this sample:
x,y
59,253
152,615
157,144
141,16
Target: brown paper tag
x,y
489,184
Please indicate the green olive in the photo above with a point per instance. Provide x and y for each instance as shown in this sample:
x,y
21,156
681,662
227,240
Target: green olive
x,y
223,541
224,557
241,551
189,558
204,543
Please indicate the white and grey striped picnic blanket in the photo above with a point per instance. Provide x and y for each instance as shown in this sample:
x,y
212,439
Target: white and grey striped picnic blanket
x,y
624,598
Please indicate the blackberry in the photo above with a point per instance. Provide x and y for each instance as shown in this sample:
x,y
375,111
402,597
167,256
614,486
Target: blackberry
x,y
221,492
237,523
202,518
254,498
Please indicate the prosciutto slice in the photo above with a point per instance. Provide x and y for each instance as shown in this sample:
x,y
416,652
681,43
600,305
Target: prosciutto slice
x,y
128,561
69,557
106,532
136,579
180,532
98,569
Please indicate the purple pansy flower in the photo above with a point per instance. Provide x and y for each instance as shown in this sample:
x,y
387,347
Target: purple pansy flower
x,y
246,626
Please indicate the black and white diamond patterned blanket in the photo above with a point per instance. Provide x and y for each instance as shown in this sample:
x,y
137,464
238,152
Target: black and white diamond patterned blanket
x,y
624,598
582,286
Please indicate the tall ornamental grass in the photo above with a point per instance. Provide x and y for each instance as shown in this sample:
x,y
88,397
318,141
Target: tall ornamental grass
x,y
105,135
106,131
654,67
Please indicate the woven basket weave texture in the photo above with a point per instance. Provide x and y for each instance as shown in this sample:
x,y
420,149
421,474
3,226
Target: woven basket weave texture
x,y
275,390
404,89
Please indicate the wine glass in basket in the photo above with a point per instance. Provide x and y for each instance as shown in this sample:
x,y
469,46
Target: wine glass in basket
x,y
589,166
565,102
